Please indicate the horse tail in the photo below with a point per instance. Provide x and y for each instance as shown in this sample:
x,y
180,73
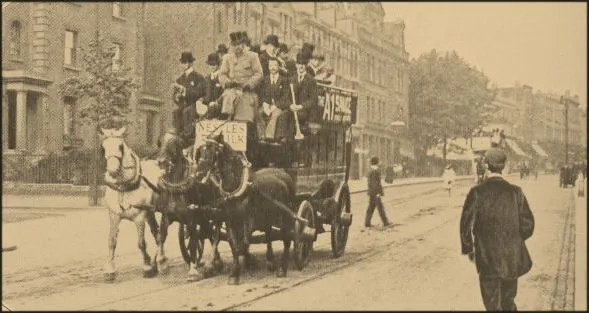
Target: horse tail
x,y
280,205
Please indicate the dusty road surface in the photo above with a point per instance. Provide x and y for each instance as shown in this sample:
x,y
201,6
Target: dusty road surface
x,y
409,266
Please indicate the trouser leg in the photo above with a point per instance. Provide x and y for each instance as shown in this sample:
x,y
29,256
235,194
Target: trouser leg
x,y
381,212
369,211
177,120
508,293
490,290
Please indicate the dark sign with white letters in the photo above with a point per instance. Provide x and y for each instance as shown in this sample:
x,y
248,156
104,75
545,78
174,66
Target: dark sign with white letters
x,y
337,105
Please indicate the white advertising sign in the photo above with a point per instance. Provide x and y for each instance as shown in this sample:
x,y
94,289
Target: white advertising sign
x,y
234,133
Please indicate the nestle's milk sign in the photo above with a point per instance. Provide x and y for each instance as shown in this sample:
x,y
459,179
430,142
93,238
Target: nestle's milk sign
x,y
234,133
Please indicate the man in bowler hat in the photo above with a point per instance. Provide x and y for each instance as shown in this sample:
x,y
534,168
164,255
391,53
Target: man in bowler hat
x,y
496,221
375,192
189,88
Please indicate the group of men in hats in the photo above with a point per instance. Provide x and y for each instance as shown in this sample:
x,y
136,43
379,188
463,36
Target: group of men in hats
x,y
253,87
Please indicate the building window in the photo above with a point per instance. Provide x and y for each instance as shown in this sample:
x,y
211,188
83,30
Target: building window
x,y
69,57
219,22
116,58
150,127
15,40
69,109
117,10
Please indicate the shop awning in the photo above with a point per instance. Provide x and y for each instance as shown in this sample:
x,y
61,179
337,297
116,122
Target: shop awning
x,y
481,143
539,150
513,145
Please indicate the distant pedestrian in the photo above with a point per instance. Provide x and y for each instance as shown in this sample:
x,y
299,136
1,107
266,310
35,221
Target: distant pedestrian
x,y
375,192
497,220
448,178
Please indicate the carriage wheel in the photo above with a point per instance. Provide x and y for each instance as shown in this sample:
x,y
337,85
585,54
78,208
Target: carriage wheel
x,y
191,243
303,243
340,225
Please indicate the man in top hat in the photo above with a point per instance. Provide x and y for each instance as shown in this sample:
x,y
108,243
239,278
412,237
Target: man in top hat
x,y
306,106
271,45
214,89
222,50
240,74
288,66
375,192
189,88
495,223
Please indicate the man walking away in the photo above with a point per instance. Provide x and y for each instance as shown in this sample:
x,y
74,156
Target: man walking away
x,y
375,192
496,220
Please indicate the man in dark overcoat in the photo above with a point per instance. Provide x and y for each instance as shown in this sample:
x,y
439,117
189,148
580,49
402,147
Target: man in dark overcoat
x,y
375,192
496,221
306,106
213,87
190,87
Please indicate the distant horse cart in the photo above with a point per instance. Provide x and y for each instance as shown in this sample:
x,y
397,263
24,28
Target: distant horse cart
x,y
291,203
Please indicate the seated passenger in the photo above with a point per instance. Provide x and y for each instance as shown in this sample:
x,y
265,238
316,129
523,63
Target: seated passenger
x,y
240,75
213,90
275,97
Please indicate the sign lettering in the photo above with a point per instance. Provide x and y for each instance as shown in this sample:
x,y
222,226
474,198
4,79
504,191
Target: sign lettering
x,y
234,133
338,105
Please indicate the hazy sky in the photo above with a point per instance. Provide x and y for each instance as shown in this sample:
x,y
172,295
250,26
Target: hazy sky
x,y
543,45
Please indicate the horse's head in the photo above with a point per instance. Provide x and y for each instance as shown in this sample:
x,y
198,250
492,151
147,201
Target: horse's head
x,y
113,149
209,157
170,154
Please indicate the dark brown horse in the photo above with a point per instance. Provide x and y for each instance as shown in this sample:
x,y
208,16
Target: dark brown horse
x,y
246,202
189,203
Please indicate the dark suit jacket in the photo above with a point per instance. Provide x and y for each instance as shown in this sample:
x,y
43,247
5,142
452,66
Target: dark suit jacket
x,y
374,183
213,89
500,218
280,92
264,60
195,85
306,95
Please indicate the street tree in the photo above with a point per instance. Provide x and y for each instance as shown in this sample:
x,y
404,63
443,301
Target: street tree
x,y
103,91
448,98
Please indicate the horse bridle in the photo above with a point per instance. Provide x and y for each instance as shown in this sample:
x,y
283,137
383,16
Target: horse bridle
x,y
218,182
119,172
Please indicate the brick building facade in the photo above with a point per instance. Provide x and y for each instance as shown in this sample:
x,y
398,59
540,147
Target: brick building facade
x,y
43,40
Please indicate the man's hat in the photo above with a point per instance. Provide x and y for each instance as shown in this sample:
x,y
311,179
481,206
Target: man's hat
x,y
213,59
222,48
237,38
319,57
496,157
307,50
283,48
247,40
272,40
374,161
186,57
301,59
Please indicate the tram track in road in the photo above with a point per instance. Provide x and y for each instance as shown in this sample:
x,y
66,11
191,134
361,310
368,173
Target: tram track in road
x,y
315,272
373,253
175,284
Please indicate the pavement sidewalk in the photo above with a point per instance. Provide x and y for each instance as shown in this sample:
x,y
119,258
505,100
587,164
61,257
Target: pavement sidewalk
x,y
22,201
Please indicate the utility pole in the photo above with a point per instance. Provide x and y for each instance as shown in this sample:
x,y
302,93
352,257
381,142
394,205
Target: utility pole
x,y
566,101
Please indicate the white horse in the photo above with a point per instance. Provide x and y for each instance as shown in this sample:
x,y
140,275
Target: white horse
x,y
131,195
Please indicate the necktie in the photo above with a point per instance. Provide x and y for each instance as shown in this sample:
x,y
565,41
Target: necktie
x,y
301,78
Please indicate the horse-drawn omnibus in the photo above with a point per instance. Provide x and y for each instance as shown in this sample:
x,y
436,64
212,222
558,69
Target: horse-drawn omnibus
x,y
319,174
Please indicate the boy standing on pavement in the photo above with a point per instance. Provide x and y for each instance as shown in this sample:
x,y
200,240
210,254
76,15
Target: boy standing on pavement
x,y
496,221
375,192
